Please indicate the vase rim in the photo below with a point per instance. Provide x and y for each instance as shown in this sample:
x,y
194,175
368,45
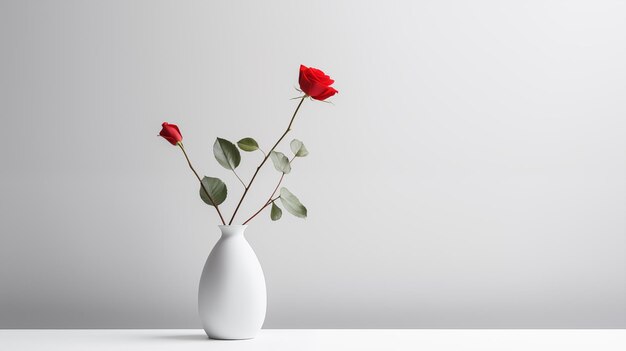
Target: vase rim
x,y
233,225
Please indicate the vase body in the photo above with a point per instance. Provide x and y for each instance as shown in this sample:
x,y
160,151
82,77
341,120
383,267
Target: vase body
x,y
232,297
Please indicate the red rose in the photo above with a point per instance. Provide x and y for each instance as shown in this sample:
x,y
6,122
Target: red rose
x,y
171,133
316,83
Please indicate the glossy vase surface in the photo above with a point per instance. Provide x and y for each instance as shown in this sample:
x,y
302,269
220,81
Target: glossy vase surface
x,y
232,297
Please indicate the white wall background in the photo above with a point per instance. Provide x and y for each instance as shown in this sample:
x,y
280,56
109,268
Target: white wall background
x,y
471,172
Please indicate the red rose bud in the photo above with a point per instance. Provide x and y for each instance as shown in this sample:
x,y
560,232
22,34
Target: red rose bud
x,y
316,83
171,133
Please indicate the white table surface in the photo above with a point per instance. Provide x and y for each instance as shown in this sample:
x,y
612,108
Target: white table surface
x,y
315,339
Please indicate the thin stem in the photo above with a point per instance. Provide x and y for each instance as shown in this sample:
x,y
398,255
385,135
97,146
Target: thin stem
x,y
237,175
277,185
268,202
271,201
245,192
201,184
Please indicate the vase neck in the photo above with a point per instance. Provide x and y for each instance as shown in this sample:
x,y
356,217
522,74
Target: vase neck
x,y
232,230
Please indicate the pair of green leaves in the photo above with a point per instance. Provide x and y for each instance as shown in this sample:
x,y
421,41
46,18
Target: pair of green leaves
x,y
291,203
228,156
281,162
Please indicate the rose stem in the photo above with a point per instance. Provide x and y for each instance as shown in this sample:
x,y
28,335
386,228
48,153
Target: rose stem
x,y
201,184
237,175
265,159
262,208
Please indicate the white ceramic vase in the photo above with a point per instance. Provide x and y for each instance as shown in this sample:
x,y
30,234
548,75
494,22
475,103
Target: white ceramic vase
x,y
232,297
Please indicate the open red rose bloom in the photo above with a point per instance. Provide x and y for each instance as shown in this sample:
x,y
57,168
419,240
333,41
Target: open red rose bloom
x,y
316,83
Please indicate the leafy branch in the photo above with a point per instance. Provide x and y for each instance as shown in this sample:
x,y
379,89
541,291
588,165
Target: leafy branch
x,y
245,192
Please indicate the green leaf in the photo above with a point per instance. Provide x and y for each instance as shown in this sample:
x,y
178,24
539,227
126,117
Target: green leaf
x,y
276,212
292,204
281,162
226,153
248,144
298,148
216,188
